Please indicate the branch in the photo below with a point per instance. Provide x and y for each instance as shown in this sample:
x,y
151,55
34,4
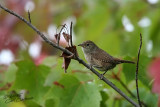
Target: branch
x,y
70,53
122,83
59,34
71,34
29,16
108,82
36,30
137,67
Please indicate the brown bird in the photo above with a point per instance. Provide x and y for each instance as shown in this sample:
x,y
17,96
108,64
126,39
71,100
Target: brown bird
x,y
98,58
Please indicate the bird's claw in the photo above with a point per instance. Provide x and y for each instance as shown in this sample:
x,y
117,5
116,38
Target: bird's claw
x,y
90,67
101,76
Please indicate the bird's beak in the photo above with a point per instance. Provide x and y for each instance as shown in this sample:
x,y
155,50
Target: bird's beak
x,y
81,45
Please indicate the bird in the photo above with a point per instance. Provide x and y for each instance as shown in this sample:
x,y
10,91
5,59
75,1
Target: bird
x,y
100,59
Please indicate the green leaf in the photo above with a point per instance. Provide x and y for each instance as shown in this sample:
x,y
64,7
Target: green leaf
x,y
50,61
51,103
104,99
143,65
151,100
94,21
10,74
2,99
154,32
106,44
73,93
129,70
31,78
55,73
30,103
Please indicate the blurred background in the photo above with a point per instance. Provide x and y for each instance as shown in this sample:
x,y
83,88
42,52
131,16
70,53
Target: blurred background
x,y
32,67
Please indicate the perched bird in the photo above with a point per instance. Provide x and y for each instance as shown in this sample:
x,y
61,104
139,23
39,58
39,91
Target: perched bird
x,y
98,58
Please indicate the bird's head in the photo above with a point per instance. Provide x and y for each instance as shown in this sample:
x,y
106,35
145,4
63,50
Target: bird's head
x,y
88,46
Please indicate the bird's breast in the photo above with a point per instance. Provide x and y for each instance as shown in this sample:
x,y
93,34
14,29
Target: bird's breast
x,y
88,58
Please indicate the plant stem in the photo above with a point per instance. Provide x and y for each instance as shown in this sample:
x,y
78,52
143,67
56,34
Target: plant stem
x,y
137,68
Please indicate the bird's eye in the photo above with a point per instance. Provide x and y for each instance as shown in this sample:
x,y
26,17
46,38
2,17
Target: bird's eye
x,y
87,44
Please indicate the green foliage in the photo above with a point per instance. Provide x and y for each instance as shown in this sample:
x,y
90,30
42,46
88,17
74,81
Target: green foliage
x,y
10,74
101,22
150,99
51,103
2,100
48,85
143,77
30,103
129,70
104,99
31,78
71,92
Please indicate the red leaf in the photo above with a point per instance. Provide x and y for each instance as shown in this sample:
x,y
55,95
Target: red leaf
x,y
154,70
66,36
67,58
56,36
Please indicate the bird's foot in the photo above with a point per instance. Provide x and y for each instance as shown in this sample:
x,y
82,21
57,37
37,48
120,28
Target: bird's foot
x,y
101,76
90,67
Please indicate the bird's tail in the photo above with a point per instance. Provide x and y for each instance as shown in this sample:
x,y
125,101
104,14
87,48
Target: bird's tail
x,y
119,61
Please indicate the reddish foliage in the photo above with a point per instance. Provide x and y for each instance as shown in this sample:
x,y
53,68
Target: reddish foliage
x,y
56,36
41,57
116,75
66,62
66,36
154,71
67,58
7,24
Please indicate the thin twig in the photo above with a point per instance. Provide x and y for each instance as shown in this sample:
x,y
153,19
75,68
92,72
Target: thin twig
x,y
71,35
137,67
29,16
36,30
70,53
121,82
63,26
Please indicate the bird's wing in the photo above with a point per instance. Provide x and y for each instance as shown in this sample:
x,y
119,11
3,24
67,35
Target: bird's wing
x,y
103,56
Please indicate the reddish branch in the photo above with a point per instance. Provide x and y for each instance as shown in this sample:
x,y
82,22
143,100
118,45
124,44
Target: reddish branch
x,y
58,84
